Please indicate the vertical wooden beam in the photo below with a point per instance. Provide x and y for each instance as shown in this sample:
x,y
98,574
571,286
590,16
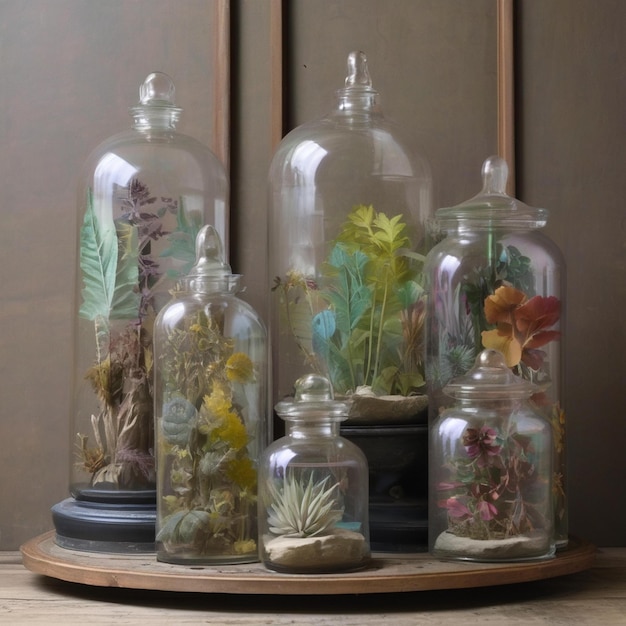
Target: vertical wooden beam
x,y
221,39
276,60
506,90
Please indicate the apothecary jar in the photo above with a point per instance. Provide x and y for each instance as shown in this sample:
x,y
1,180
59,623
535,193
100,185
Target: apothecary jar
x,y
490,469
497,282
210,351
313,488
144,194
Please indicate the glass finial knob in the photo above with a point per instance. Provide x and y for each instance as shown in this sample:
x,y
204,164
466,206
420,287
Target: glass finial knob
x,y
158,88
210,254
495,175
313,388
358,72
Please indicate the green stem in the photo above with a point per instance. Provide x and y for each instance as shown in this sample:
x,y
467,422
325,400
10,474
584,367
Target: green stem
x,y
380,332
370,343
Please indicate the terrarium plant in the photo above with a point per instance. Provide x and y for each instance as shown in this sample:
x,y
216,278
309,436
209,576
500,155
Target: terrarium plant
x,y
501,312
207,504
361,321
303,508
490,468
307,525
494,489
461,312
120,278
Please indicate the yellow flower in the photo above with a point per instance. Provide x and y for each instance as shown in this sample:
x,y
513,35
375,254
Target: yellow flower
x,y
239,368
245,546
232,431
172,503
218,404
242,472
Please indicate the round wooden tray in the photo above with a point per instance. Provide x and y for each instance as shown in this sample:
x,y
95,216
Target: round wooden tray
x,y
388,573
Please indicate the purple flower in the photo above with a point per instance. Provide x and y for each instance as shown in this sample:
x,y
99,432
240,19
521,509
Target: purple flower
x,y
482,444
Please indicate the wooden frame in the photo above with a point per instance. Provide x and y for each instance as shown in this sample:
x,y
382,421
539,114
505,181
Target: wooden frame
x,y
506,95
505,84
277,74
221,38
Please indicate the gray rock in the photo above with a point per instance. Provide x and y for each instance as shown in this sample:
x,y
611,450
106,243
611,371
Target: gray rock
x,y
510,549
340,550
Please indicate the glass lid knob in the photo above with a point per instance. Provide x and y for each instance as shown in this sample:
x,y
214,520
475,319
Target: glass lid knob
x,y
495,174
158,88
210,255
358,72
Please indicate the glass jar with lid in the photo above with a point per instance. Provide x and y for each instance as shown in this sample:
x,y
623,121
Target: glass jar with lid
x,y
349,207
496,281
490,469
210,415
313,488
143,196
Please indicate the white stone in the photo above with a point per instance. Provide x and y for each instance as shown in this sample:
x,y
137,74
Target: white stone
x,y
342,548
510,549
368,408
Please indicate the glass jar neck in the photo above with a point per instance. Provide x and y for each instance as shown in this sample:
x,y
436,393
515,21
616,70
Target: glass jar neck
x,y
155,118
467,227
358,102
497,408
303,428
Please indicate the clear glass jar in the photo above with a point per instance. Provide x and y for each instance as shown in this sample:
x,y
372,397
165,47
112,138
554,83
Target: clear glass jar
x,y
497,282
490,469
349,205
144,194
210,395
313,488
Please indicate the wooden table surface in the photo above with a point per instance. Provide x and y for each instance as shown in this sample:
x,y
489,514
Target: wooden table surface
x,y
596,596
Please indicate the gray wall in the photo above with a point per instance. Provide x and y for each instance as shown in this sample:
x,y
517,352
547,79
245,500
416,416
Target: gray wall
x,y
572,157
70,68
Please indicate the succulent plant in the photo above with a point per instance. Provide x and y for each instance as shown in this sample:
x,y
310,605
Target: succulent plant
x,y
303,508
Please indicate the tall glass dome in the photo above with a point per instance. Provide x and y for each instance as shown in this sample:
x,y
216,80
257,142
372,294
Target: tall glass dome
x,y
143,196
350,203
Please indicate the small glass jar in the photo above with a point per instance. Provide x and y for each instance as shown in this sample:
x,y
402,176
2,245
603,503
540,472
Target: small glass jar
x,y
490,469
313,488
349,210
496,281
210,406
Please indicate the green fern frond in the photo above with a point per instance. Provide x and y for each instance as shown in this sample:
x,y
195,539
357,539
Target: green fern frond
x,y
109,267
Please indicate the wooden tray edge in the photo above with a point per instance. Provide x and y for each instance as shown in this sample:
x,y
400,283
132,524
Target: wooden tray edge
x,y
388,574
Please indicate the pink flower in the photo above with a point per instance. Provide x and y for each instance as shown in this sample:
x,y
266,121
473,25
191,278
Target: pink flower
x,y
456,508
481,444
487,510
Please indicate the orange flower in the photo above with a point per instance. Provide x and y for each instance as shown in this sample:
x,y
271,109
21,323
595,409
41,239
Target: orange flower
x,y
521,325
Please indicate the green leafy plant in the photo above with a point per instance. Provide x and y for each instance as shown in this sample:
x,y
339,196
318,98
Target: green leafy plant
x,y
301,508
362,323
119,280
211,479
